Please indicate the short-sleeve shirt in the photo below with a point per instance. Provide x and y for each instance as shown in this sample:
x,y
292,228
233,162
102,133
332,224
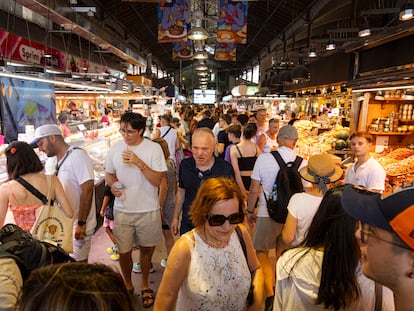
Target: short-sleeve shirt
x,y
190,179
266,169
369,175
140,195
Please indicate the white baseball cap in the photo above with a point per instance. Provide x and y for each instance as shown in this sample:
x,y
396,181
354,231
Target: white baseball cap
x,y
44,131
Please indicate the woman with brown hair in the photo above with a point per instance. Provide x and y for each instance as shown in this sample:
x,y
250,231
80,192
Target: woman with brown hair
x,y
75,287
23,162
207,268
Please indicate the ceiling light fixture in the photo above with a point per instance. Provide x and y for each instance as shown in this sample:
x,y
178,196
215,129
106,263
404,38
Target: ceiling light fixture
x,y
200,55
364,31
197,32
55,82
312,52
300,72
201,67
330,46
407,12
202,73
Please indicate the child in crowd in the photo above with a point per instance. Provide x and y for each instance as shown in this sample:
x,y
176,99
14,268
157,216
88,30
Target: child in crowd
x,y
107,211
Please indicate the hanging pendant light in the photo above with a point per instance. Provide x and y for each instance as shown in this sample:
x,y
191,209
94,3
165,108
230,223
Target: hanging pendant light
x,y
330,46
364,31
312,52
200,55
407,12
300,72
197,31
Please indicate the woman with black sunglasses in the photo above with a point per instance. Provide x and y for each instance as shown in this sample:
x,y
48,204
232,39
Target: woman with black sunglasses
x,y
207,268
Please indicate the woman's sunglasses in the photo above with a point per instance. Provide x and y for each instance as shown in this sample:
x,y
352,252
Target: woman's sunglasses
x,y
219,220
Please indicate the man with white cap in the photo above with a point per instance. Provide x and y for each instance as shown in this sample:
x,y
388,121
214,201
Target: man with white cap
x,y
386,232
75,171
264,173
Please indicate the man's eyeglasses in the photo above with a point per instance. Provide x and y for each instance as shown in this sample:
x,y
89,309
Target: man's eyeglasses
x,y
128,132
365,231
219,220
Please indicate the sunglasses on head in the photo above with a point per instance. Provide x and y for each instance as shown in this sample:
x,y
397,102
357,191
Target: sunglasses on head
x,y
219,220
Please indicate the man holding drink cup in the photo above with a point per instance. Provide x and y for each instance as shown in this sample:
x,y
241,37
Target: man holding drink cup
x,y
138,164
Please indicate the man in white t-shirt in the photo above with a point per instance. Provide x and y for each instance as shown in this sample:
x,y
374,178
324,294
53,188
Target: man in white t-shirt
x,y
264,173
74,169
366,171
138,164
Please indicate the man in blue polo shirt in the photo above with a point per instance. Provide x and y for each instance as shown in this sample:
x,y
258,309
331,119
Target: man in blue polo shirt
x,y
193,171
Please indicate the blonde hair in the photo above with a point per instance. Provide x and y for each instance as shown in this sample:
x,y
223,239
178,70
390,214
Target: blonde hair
x,y
164,146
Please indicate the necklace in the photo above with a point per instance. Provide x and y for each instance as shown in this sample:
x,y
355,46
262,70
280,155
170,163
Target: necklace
x,y
215,244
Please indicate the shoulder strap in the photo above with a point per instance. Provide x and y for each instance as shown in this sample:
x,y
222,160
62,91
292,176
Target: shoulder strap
x,y
378,297
49,186
68,152
32,190
297,162
243,245
238,149
165,134
278,158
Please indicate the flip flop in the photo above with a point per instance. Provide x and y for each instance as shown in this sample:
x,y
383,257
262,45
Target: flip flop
x,y
148,297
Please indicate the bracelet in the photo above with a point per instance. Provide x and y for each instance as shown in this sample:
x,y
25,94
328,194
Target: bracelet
x,y
81,222
142,168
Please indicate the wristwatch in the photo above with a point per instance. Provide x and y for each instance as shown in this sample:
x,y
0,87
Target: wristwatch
x,y
81,222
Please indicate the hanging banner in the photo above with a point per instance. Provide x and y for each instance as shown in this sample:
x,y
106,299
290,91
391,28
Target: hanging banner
x,y
26,103
172,21
232,22
16,48
225,52
182,50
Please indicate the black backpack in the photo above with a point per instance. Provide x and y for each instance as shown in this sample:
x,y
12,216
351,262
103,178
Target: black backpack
x,y
288,182
28,252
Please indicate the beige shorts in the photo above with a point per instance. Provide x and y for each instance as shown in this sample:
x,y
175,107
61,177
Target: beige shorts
x,y
81,247
142,229
266,233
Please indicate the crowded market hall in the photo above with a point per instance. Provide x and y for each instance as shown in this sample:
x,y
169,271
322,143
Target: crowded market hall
x,y
206,155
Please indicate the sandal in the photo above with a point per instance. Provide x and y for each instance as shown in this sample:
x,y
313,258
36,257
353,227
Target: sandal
x,y
147,297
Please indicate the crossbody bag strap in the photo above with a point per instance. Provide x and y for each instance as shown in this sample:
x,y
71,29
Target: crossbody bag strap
x,y
32,190
378,297
68,152
165,134
243,245
49,188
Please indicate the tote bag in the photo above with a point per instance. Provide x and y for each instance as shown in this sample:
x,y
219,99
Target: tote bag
x,y
52,224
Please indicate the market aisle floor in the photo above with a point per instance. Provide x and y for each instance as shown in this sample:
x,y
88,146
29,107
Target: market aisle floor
x,y
101,242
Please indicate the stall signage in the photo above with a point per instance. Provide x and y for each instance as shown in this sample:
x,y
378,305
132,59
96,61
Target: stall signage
x,y
20,49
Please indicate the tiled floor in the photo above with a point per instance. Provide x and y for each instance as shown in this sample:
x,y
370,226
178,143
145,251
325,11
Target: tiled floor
x,y
101,242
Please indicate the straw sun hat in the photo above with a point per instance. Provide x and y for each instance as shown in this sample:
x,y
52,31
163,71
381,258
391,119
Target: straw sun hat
x,y
321,169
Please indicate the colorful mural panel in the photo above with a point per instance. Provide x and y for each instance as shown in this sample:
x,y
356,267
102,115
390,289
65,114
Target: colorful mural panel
x,y
172,21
